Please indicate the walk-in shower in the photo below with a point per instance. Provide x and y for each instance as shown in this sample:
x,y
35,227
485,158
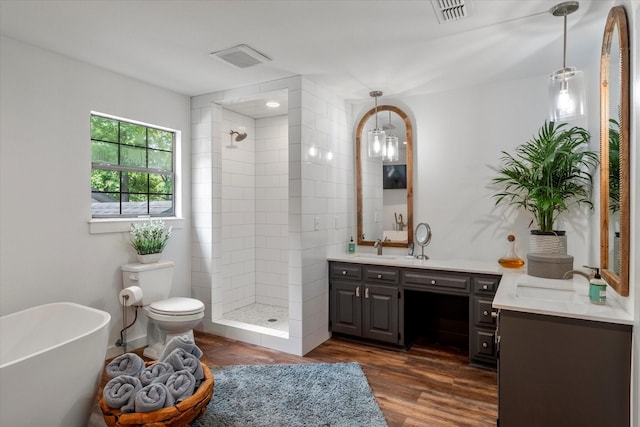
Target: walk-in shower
x,y
253,291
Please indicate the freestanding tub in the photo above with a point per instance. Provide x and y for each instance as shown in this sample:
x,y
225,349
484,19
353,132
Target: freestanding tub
x,y
51,361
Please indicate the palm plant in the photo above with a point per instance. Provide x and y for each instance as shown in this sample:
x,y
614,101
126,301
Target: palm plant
x,y
548,174
614,165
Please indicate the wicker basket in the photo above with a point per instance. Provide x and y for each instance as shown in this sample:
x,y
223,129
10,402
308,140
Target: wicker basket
x,y
176,416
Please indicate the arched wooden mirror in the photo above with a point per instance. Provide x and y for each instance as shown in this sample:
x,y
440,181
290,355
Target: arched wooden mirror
x,y
385,189
614,152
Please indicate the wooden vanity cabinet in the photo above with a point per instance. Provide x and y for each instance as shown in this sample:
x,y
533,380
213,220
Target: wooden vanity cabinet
x,y
556,371
364,302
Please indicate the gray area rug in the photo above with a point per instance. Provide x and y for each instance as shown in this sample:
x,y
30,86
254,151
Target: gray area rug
x,y
314,394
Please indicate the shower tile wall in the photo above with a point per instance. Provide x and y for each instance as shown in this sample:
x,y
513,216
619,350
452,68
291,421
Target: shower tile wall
x,y
205,155
272,211
238,205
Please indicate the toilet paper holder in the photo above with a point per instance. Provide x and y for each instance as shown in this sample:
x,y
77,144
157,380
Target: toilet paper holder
x,y
129,296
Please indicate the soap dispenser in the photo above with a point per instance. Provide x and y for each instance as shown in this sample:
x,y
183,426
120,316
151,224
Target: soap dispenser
x,y
597,288
352,246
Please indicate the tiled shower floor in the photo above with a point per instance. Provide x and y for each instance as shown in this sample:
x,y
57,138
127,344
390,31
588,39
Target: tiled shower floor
x,y
261,318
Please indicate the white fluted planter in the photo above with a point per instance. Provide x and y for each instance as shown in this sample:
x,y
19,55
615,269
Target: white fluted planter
x,y
547,242
149,258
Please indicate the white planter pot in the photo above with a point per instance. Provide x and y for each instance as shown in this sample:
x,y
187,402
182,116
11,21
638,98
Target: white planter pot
x,y
547,243
149,258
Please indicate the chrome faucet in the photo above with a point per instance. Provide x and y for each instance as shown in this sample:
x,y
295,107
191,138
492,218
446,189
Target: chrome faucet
x,y
569,274
378,245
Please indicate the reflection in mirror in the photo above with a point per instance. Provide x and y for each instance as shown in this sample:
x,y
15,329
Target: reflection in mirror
x,y
614,152
384,187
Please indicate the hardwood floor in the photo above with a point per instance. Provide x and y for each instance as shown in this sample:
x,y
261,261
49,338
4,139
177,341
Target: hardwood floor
x,y
426,386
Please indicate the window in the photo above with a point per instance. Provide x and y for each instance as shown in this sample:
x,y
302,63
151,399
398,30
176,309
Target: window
x,y
132,169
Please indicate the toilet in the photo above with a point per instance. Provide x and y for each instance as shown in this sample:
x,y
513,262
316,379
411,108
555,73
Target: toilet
x,y
168,317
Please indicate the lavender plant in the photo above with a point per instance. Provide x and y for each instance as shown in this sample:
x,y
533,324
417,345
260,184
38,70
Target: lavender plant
x,y
149,237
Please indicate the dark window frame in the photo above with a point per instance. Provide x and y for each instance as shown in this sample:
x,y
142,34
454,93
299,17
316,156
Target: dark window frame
x,y
123,193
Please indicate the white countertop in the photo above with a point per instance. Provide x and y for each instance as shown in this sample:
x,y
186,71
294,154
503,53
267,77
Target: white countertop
x,y
571,301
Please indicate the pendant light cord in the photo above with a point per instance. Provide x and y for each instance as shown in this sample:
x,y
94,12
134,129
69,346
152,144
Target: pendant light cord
x,y
376,99
564,46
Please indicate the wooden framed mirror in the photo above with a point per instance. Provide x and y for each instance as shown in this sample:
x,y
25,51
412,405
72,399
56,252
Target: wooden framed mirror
x,y
379,208
614,152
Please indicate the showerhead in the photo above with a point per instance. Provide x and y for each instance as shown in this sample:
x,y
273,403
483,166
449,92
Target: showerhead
x,y
239,136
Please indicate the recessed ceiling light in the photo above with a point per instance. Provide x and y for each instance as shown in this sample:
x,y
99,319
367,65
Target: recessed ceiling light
x,y
272,104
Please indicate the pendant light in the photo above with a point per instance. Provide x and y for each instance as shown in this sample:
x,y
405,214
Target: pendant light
x,y
391,145
376,145
566,85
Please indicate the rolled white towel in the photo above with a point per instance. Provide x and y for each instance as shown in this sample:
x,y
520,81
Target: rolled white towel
x,y
155,373
152,397
181,385
120,392
125,364
180,360
183,342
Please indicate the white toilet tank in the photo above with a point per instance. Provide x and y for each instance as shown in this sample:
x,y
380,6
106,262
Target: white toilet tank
x,y
154,279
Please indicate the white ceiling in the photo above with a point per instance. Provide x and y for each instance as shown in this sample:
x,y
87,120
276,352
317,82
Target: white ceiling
x,y
350,46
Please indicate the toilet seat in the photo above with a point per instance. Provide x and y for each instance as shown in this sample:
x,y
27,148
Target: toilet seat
x,y
177,306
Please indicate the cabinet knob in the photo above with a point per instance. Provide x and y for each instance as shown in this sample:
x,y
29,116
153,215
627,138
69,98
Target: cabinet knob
x,y
485,313
366,292
494,314
485,287
344,272
433,282
485,345
379,276
357,291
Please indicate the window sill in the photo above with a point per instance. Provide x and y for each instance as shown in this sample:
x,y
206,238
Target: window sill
x,y
122,225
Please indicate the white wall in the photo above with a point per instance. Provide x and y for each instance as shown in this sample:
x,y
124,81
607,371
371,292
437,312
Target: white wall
x,y
458,139
47,253
632,8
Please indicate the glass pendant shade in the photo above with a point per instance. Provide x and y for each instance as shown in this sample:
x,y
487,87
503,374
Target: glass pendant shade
x,y
566,94
376,143
391,151
566,86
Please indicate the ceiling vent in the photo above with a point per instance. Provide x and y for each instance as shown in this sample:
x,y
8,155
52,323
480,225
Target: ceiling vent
x,y
242,56
452,10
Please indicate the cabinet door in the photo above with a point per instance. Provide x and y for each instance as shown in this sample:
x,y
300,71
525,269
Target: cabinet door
x,y
554,371
381,313
346,308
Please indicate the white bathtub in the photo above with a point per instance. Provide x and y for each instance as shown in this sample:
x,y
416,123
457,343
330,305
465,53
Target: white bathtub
x,y
51,361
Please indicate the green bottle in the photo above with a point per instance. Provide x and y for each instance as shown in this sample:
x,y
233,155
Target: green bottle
x,y
597,289
352,246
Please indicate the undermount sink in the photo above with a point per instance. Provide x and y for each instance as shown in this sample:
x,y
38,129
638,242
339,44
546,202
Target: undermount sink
x,y
374,256
543,292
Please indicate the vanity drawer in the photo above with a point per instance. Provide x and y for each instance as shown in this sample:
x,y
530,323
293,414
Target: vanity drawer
x,y
382,274
485,316
485,343
485,285
422,279
346,271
